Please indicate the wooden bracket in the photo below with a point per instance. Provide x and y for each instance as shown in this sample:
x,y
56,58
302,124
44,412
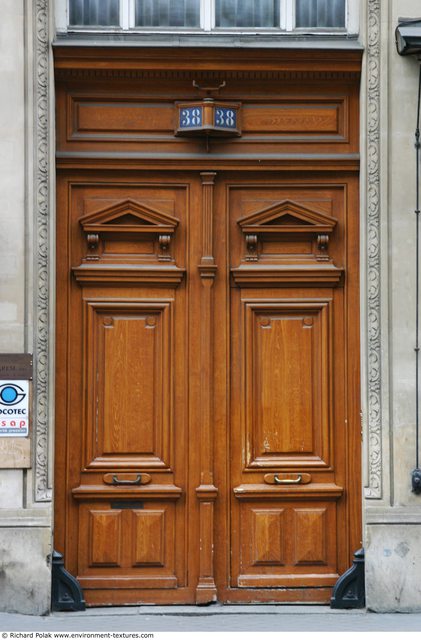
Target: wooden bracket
x,y
322,247
164,247
251,244
93,246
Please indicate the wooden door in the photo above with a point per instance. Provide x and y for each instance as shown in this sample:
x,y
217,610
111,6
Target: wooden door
x,y
207,384
290,255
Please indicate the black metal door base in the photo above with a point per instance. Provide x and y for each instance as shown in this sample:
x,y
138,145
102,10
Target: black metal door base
x,y
67,594
349,591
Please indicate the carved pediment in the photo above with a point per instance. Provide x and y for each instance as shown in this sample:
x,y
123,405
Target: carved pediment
x,y
287,217
128,216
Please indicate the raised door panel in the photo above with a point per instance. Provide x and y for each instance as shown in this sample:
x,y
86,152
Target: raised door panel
x,y
285,400
286,544
132,546
105,540
130,383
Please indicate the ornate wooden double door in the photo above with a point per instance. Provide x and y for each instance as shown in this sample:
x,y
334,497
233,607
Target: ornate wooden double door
x,y
209,454
207,380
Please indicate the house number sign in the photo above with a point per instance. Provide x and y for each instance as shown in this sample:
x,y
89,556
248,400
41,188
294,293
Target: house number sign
x,y
208,118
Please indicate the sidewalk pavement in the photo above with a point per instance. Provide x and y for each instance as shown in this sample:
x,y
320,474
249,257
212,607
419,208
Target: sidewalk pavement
x,y
227,618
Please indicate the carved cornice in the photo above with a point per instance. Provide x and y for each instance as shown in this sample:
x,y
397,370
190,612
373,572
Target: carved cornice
x,y
374,404
125,74
112,274
42,168
210,62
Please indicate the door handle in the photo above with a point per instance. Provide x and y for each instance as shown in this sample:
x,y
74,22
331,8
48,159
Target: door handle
x,y
287,480
137,480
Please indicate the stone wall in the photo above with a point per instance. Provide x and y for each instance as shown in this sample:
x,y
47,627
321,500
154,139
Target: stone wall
x,y
25,520
392,511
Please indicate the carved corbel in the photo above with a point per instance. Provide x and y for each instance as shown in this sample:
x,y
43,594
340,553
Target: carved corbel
x,y
164,248
251,245
93,247
322,247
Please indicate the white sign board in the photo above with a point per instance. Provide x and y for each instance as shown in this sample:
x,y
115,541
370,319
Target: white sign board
x,y
14,408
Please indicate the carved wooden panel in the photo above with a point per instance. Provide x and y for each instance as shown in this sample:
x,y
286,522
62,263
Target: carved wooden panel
x,y
129,546
149,538
105,540
286,355
311,536
93,117
268,537
286,544
305,118
285,107
125,118
129,380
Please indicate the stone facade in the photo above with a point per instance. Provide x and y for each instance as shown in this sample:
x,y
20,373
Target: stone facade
x,y
392,514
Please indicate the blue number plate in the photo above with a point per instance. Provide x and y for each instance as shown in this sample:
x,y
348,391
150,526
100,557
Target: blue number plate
x,y
225,118
191,117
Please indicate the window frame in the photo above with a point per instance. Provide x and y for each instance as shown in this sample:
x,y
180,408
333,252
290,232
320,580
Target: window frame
x,y
207,22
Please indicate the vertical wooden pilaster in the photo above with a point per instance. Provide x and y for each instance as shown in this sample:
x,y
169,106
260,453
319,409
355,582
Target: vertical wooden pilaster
x,y
206,492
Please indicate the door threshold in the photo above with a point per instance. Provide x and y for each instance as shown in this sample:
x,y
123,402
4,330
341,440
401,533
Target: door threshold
x,y
210,610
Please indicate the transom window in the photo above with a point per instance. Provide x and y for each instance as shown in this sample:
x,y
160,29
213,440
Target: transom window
x,y
208,15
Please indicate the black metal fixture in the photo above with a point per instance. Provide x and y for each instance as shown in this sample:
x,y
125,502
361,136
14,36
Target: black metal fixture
x,y
408,42
349,591
408,36
66,593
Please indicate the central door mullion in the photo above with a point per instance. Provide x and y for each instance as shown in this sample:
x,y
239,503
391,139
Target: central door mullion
x,y
206,492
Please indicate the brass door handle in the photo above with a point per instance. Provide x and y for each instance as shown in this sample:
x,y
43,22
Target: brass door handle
x,y
137,480
287,480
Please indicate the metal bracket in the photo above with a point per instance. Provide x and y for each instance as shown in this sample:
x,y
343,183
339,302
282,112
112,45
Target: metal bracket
x,y
416,481
66,592
349,591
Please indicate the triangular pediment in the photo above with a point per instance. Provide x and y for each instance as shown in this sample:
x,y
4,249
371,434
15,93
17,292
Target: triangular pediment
x,y
287,216
129,216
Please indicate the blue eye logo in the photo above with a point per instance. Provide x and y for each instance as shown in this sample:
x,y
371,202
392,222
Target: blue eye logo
x,y
11,394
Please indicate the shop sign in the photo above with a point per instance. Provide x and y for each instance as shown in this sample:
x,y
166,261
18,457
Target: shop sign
x,y
14,408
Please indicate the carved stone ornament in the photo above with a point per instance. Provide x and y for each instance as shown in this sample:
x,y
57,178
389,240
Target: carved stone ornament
x,y
374,484
66,593
42,277
349,591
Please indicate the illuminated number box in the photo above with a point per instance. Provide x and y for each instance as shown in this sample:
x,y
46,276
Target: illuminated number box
x,y
208,118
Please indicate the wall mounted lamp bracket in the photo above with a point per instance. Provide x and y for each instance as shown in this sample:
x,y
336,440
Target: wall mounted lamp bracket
x,y
416,481
408,36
